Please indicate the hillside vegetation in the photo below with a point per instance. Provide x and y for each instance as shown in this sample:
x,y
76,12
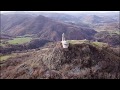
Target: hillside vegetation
x,y
31,48
79,61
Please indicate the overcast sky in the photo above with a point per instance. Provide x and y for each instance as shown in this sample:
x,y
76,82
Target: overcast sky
x,y
65,11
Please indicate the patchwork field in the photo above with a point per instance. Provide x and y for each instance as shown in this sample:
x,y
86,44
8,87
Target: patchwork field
x,y
94,43
77,41
20,40
99,44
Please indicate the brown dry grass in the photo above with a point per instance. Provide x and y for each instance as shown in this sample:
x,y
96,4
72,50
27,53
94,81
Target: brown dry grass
x,y
79,61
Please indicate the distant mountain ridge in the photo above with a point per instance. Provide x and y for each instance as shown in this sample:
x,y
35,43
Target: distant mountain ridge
x,y
43,27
